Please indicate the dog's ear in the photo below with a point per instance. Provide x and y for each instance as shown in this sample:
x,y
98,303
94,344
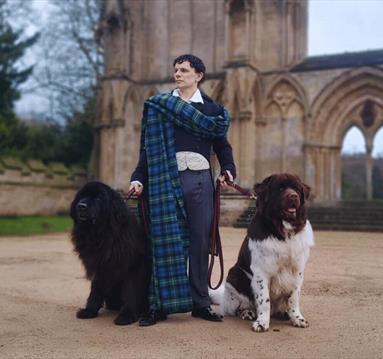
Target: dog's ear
x,y
306,190
262,190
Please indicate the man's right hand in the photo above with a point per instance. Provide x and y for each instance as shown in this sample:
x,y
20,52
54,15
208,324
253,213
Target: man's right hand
x,y
138,187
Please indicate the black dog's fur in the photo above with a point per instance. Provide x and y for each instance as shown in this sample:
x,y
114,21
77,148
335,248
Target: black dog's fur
x,y
113,249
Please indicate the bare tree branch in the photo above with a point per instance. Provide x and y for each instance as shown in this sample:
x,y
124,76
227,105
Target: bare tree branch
x,y
70,58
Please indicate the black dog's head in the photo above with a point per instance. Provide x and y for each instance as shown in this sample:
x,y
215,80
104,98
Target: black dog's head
x,y
96,202
282,197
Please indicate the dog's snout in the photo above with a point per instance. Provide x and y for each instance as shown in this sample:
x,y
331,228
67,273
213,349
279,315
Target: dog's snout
x,y
292,195
82,206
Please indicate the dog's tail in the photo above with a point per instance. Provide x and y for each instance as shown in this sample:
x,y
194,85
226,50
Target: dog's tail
x,y
217,295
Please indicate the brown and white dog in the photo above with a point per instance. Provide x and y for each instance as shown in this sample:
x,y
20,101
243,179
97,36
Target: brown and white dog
x,y
267,278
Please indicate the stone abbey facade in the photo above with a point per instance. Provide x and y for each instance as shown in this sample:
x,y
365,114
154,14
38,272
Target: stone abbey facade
x,y
290,112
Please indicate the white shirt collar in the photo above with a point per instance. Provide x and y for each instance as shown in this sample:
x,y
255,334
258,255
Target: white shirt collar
x,y
197,97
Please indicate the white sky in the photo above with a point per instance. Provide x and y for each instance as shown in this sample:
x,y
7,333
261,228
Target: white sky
x,y
335,26
345,25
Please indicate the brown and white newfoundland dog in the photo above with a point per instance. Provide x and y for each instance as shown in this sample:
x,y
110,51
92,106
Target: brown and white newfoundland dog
x,y
267,278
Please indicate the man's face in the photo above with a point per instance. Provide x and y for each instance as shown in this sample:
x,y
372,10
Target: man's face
x,y
185,76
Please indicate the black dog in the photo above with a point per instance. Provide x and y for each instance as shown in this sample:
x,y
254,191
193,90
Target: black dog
x,y
113,249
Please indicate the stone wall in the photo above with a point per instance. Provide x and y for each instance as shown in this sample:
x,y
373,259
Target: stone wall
x,y
32,188
232,206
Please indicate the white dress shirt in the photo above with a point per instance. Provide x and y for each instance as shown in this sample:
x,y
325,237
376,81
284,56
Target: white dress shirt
x,y
186,159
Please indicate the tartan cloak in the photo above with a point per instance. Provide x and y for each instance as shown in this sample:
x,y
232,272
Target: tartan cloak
x,y
169,286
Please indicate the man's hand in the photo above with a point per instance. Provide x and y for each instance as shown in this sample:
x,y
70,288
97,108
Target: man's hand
x,y
222,179
138,187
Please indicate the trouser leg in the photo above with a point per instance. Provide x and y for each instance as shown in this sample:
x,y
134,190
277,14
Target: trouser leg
x,y
198,190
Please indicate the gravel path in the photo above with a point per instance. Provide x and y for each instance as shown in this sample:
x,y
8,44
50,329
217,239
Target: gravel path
x,y
42,285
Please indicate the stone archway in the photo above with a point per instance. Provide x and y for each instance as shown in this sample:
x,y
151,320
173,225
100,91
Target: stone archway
x,y
340,105
285,111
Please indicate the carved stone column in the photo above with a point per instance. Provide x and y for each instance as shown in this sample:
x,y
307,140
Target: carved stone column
x,y
246,158
283,144
369,167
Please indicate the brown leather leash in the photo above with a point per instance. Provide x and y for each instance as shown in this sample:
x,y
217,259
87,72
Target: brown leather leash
x,y
215,240
128,195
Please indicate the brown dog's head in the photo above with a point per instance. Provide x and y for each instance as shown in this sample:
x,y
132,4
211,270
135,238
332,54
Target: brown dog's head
x,y
280,197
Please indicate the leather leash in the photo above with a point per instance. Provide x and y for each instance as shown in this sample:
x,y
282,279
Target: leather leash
x,y
215,240
128,195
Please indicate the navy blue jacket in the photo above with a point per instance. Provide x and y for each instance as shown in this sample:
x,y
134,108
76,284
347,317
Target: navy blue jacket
x,y
185,141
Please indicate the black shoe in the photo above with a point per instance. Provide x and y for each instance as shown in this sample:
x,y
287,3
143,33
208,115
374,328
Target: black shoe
x,y
208,314
152,317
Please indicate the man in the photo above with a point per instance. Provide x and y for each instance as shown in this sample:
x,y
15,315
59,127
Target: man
x,y
198,126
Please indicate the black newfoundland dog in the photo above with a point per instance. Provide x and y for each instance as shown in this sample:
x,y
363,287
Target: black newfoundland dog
x,y
113,249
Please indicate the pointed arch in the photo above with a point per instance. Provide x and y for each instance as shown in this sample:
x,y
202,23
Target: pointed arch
x,y
345,80
297,95
351,116
338,107
339,104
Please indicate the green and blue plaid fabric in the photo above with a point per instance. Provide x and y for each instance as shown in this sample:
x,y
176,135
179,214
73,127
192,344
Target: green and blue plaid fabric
x,y
169,288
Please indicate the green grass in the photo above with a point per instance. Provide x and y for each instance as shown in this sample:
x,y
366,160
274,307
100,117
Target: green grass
x,y
25,225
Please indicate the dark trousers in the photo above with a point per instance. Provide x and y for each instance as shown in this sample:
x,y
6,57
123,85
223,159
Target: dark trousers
x,y
198,192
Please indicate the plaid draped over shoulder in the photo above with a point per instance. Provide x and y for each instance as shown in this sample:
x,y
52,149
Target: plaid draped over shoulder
x,y
169,287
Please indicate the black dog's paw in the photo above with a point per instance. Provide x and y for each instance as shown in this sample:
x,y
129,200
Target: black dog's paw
x,y
86,313
124,320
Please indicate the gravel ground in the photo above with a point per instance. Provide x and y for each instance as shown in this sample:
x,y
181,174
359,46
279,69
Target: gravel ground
x,y
42,285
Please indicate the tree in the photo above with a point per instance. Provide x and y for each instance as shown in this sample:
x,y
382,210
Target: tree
x,y
71,56
12,49
68,72
52,142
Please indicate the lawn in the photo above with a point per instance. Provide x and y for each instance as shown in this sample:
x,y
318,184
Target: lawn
x,y
34,224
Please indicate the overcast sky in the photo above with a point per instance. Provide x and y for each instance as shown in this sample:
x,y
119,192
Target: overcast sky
x,y
335,26
347,25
